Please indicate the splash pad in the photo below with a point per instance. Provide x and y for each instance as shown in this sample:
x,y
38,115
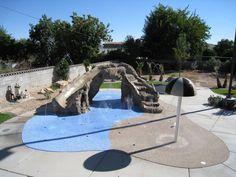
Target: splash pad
x,y
85,132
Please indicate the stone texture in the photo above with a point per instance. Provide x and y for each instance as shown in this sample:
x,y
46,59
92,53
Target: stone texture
x,y
76,97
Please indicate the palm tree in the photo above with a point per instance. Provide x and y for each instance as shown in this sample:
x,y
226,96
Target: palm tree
x,y
140,65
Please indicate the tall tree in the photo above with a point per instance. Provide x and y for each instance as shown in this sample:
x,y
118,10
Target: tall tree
x,y
63,38
6,44
21,49
133,49
43,36
163,27
209,52
87,33
181,50
224,48
79,39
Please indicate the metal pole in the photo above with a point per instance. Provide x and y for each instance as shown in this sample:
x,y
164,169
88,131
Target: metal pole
x,y
177,118
232,68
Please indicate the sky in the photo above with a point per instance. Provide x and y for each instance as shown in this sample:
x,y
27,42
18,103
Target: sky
x,y
126,17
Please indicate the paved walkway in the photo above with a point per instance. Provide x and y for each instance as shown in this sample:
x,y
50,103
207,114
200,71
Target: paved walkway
x,y
16,160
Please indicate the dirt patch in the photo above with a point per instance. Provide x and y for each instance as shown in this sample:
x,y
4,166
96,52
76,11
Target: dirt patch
x,y
27,105
199,78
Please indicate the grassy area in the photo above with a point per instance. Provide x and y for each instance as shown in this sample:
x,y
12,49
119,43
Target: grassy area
x,y
223,91
114,85
4,117
156,82
117,85
174,74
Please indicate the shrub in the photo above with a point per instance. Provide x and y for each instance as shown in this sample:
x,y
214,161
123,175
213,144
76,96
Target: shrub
x,y
215,100
93,66
62,69
225,67
230,104
86,63
150,77
220,102
211,65
47,94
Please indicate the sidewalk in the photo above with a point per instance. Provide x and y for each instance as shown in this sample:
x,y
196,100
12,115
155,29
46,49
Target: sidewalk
x,y
16,160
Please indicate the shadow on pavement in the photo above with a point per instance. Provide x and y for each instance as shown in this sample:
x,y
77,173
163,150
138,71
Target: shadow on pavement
x,y
5,153
109,160
224,112
46,109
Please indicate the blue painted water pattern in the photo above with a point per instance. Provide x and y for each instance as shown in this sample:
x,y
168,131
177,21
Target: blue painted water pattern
x,y
85,132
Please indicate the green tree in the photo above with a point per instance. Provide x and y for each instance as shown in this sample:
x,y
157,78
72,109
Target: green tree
x,y
63,38
86,63
224,48
133,48
11,49
87,33
181,50
79,39
43,37
208,53
163,27
6,44
23,49
140,65
62,69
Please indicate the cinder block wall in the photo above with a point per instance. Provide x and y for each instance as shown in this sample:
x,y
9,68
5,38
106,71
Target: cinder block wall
x,y
35,79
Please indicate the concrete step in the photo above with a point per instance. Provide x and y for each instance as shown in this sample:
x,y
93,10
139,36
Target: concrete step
x,y
141,88
145,96
152,109
149,103
139,84
131,78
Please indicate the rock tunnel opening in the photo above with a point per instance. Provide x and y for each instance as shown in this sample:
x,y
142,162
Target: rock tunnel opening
x,y
77,96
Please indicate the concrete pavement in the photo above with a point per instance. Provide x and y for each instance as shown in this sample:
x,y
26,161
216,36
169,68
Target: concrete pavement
x,y
16,160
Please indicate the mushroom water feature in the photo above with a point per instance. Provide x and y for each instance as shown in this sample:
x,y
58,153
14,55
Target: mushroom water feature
x,y
181,87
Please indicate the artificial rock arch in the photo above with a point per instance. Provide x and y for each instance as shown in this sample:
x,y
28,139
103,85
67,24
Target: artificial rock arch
x,y
76,97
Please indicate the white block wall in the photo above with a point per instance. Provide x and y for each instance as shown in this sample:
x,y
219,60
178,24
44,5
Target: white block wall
x,y
36,79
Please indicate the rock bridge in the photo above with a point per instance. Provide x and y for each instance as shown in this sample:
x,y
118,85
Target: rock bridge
x,y
76,97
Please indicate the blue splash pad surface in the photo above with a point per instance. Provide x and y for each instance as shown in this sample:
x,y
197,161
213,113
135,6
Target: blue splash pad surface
x,y
89,131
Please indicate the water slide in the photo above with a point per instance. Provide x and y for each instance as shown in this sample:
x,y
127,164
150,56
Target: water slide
x,y
76,97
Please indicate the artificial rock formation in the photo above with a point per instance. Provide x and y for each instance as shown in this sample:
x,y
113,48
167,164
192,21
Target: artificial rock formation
x,y
76,97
